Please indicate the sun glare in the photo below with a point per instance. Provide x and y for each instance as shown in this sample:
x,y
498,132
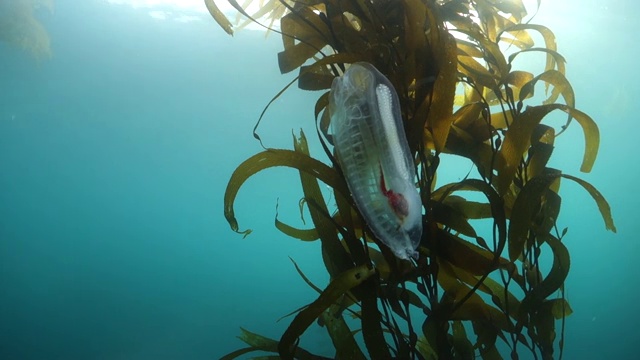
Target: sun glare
x,y
186,10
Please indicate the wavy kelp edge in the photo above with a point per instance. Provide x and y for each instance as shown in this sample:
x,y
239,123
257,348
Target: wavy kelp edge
x,y
493,120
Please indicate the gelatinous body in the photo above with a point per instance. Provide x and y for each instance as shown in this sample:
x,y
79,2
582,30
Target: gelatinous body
x,y
372,151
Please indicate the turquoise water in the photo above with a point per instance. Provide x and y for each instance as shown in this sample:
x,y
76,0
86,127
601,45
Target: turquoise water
x,y
114,157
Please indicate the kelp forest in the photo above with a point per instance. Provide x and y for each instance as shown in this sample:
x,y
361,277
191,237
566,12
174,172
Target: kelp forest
x,y
487,278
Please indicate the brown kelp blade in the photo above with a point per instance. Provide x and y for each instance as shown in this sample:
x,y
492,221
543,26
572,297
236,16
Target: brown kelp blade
x,y
272,158
338,287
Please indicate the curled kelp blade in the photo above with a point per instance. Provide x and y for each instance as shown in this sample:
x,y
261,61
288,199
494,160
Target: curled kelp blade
x,y
561,86
300,234
549,40
603,205
272,158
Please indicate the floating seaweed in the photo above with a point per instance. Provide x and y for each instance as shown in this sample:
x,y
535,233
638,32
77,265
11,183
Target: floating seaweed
x,y
19,26
452,66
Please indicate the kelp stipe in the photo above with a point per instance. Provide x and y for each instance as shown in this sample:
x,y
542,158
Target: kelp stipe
x,y
459,95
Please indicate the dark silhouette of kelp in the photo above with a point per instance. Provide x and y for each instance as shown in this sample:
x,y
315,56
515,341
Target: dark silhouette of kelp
x,y
452,65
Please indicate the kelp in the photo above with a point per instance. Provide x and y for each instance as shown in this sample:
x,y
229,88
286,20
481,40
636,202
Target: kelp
x,y
453,65
19,26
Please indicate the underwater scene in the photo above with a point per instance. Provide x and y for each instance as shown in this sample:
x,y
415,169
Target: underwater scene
x,y
319,179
